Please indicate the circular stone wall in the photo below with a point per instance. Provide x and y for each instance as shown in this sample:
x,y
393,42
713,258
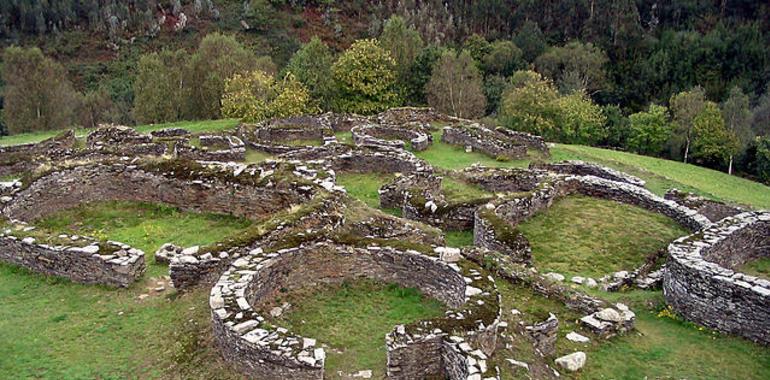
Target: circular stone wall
x,y
440,347
700,282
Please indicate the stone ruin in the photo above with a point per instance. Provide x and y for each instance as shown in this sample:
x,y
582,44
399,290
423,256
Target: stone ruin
x,y
713,210
307,231
438,347
701,282
475,137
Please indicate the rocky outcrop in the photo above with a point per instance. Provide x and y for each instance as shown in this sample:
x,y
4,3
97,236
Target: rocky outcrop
x,y
701,284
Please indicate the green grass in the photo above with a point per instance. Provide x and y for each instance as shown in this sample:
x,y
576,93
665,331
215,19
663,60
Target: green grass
x,y
192,126
254,156
344,137
364,187
458,238
669,348
759,267
458,192
353,319
51,328
143,225
452,157
303,142
664,174
594,237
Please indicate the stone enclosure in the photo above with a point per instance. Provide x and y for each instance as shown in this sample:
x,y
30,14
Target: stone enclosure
x,y
307,231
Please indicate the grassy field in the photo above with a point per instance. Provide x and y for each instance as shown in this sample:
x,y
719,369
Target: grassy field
x,y
51,328
452,157
664,174
353,318
593,237
191,126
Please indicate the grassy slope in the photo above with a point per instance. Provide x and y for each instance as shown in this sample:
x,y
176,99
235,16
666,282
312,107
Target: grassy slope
x,y
664,174
447,156
599,236
353,319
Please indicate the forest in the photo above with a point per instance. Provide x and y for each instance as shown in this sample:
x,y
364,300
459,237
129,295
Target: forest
x,y
680,79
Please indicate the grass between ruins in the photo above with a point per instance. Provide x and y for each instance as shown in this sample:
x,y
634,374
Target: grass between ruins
x,y
583,236
353,318
51,328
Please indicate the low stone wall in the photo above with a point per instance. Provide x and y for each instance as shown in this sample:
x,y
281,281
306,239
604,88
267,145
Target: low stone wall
x,y
531,141
700,284
395,193
361,159
500,237
19,159
373,134
713,210
254,192
79,259
266,352
321,218
406,115
115,135
519,208
499,180
483,140
274,136
586,169
213,148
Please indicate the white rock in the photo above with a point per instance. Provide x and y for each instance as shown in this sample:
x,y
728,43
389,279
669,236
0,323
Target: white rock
x,y
578,279
308,342
276,312
556,277
610,315
449,254
518,363
573,361
575,337
191,250
471,291
591,283
367,374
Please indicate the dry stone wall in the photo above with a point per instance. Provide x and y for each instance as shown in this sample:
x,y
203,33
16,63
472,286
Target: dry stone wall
x,y
713,210
263,351
361,159
392,136
178,183
80,259
478,138
588,169
700,282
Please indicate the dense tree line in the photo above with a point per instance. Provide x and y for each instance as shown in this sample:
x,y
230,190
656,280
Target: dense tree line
x,y
684,79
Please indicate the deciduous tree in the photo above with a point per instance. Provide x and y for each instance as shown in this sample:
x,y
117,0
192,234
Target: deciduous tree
x,y
685,107
737,117
38,95
649,130
456,86
575,66
159,87
256,96
312,66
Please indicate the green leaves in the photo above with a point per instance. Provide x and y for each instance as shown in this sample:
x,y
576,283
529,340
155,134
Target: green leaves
x,y
257,96
366,77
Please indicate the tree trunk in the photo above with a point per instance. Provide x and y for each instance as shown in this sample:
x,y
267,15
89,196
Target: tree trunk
x,y
730,167
686,150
